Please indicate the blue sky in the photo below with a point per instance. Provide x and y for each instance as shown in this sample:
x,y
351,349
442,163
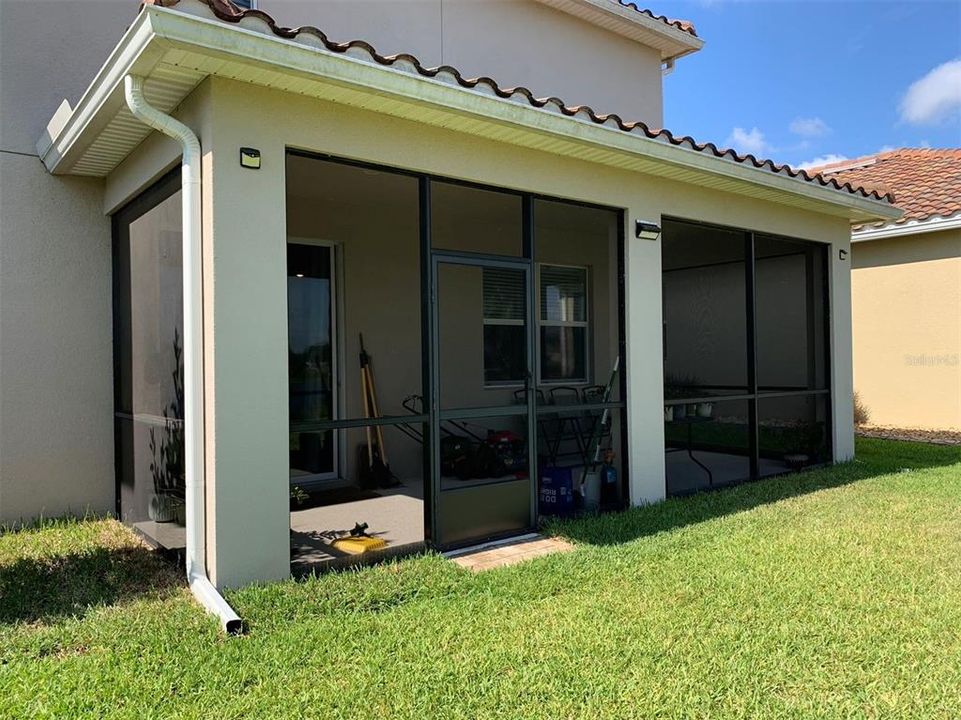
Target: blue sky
x,y
801,81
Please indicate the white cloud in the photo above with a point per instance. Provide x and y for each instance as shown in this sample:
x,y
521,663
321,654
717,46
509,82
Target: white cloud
x,y
748,141
822,160
934,97
887,148
809,127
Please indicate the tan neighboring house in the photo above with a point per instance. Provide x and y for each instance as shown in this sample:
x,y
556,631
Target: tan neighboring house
x,y
906,289
565,305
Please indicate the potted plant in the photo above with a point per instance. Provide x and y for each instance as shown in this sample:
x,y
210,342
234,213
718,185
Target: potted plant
x,y
298,496
167,466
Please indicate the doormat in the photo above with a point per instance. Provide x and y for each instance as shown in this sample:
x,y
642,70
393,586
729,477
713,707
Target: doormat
x,y
334,496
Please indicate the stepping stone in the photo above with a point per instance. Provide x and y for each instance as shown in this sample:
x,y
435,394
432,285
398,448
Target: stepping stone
x,y
507,552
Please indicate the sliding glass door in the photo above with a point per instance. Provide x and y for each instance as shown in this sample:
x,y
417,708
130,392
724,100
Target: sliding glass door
x,y
312,356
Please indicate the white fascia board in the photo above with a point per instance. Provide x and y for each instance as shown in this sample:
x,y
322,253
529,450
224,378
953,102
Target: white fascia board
x,y
134,53
911,227
158,29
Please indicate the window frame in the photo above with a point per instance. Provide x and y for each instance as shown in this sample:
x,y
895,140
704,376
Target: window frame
x,y
337,356
586,324
539,323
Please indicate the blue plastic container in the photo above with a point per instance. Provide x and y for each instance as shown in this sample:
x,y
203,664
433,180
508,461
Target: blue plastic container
x,y
556,492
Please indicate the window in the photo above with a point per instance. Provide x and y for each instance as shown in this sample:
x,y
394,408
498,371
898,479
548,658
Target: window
x,y
561,320
246,4
563,323
504,331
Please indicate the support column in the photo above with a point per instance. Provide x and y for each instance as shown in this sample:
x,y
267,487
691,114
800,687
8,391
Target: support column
x,y
245,327
644,364
842,373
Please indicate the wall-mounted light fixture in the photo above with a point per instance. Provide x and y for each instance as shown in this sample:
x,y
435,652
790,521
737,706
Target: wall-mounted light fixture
x,y
250,158
644,230
842,254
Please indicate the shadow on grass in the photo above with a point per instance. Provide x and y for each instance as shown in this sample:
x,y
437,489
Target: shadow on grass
x,y
874,458
64,586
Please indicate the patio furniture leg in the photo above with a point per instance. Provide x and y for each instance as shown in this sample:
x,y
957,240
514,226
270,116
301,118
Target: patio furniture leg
x,y
690,454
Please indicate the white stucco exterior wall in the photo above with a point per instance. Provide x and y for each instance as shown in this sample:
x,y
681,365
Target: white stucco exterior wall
x,y
56,362
245,297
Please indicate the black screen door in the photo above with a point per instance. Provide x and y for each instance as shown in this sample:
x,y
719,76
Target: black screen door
x,y
481,419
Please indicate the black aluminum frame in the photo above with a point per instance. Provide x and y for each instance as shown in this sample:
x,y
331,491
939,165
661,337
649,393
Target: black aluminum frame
x,y
755,394
429,258
443,257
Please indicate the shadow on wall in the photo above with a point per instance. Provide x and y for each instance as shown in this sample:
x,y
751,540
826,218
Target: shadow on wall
x,y
57,587
874,458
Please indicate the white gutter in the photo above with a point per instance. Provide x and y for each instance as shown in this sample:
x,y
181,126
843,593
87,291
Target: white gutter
x,y
911,227
200,584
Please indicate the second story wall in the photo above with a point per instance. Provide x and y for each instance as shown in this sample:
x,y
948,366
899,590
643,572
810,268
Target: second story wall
x,y
51,50
515,42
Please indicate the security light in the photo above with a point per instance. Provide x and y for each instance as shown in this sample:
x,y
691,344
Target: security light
x,y
646,230
250,158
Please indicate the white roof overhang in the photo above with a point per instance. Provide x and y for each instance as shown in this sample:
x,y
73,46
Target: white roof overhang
x,y
670,41
175,50
909,227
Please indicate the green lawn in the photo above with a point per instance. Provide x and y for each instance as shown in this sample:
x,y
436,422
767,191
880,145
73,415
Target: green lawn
x,y
836,593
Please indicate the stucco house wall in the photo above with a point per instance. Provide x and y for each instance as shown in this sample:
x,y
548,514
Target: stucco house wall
x,y
56,390
907,329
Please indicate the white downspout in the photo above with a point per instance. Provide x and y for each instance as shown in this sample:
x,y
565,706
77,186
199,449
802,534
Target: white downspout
x,y
200,584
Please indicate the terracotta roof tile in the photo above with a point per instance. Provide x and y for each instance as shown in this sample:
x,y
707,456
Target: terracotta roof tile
x,y
927,182
228,12
684,25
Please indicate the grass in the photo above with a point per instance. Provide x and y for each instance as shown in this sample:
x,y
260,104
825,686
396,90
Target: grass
x,y
835,593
